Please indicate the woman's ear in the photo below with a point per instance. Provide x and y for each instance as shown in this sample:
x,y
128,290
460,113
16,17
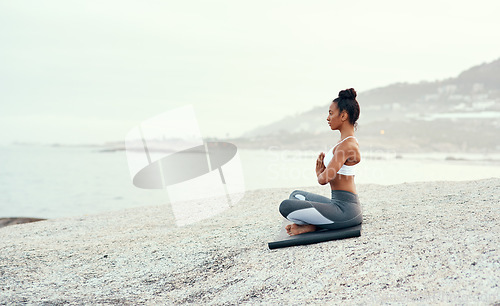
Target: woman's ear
x,y
344,116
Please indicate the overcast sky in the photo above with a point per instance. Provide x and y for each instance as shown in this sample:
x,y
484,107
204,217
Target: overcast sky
x,y
89,71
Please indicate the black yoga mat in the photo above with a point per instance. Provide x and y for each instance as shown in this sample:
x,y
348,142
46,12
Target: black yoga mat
x,y
316,237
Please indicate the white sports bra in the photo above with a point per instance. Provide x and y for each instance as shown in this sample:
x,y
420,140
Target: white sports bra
x,y
345,169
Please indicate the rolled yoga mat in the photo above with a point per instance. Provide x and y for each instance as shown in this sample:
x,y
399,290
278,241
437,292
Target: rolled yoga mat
x,y
316,237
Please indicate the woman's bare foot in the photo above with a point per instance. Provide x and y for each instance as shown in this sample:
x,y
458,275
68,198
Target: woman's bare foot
x,y
295,229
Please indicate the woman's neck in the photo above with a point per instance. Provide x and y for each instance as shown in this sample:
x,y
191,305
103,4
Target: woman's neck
x,y
346,132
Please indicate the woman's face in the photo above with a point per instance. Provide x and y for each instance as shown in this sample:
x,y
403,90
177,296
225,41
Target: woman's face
x,y
334,120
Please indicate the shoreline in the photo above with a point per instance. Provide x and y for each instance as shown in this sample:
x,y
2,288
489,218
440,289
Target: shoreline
x,y
6,221
263,143
427,242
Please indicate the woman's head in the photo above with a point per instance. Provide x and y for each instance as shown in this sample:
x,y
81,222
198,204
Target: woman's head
x,y
346,102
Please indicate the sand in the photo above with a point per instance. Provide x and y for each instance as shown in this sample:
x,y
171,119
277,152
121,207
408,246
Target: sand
x,y
432,242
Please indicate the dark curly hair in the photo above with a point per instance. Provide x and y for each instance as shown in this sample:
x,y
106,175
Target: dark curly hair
x,y
346,101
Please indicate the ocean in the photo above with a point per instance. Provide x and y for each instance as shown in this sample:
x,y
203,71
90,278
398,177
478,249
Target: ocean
x,y
61,181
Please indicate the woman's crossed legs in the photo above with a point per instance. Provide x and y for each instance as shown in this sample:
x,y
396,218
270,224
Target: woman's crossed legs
x,y
309,211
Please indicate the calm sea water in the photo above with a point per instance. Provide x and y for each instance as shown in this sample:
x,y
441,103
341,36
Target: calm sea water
x,y
50,182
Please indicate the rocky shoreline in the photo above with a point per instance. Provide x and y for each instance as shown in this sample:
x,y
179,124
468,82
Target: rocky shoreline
x,y
12,221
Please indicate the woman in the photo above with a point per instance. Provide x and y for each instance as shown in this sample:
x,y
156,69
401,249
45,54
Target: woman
x,y
310,211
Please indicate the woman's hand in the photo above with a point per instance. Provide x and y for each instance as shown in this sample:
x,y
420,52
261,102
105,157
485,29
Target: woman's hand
x,y
320,166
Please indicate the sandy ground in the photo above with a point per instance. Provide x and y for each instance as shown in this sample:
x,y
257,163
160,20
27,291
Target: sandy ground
x,y
435,242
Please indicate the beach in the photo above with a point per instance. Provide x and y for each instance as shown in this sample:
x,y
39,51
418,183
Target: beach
x,y
421,243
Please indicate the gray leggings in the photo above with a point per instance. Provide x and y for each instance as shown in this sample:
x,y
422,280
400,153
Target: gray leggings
x,y
342,210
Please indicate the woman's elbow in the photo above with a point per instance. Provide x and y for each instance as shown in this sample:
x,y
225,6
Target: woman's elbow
x,y
324,178
321,180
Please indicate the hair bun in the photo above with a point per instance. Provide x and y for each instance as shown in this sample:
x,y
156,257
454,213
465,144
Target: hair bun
x,y
348,94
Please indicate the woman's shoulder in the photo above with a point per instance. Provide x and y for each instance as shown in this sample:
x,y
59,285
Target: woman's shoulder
x,y
350,147
348,143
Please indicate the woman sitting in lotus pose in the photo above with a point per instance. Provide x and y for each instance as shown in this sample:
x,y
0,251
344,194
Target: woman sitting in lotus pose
x,y
310,211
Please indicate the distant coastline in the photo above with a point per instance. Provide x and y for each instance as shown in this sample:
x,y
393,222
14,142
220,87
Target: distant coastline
x,y
373,147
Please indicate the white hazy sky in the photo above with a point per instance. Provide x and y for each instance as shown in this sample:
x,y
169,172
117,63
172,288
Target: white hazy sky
x,y
89,71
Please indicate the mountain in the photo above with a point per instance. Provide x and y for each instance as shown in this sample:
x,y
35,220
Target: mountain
x,y
455,114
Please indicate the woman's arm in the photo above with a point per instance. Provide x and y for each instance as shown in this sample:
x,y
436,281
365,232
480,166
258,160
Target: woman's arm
x,y
326,174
